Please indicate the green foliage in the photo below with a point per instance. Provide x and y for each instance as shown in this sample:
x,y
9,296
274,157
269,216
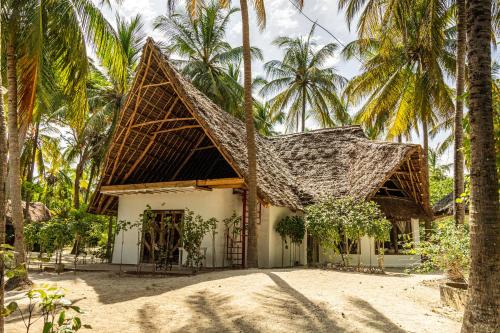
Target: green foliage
x,y
32,235
332,219
193,230
439,188
55,235
52,307
303,84
292,227
448,249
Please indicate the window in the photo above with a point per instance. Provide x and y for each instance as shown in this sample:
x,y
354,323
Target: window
x,y
164,237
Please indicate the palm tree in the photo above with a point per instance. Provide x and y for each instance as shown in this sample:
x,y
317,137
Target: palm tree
x,y
265,119
3,174
481,312
458,160
403,78
44,32
191,5
207,59
302,84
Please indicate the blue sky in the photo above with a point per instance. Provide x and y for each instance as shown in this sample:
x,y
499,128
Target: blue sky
x,y
282,20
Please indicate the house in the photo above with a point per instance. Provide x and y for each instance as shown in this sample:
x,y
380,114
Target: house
x,y
174,149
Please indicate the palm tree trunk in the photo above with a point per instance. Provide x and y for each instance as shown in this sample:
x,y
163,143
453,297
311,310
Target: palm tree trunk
x,y
31,167
3,173
482,312
303,109
425,132
14,152
458,161
110,239
252,257
91,179
76,186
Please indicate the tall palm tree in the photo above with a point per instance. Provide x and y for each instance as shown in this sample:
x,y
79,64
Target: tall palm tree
x,y
458,159
303,84
207,59
260,11
3,174
403,77
37,33
482,309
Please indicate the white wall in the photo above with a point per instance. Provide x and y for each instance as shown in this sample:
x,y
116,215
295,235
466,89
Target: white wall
x,y
368,257
270,239
218,203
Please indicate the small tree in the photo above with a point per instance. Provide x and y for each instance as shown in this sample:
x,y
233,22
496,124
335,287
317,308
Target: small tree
x,y
193,230
338,224
54,236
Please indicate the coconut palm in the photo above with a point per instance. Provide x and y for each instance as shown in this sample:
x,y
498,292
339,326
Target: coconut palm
x,y
303,85
481,311
3,174
40,33
206,57
458,155
403,82
260,11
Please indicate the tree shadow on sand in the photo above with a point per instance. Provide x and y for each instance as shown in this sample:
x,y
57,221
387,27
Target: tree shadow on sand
x,y
213,313
371,317
306,315
114,289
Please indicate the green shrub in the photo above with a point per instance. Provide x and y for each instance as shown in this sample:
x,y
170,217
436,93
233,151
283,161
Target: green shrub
x,y
332,220
193,230
448,249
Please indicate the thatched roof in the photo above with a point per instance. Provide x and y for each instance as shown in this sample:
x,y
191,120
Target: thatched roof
x,y
37,210
170,132
445,205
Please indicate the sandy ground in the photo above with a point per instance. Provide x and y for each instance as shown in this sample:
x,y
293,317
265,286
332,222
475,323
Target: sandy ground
x,y
299,300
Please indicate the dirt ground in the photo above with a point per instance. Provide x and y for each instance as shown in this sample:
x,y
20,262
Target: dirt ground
x,y
295,300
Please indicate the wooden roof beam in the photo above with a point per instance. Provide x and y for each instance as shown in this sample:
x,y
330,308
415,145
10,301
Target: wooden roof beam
x,y
161,121
175,129
216,183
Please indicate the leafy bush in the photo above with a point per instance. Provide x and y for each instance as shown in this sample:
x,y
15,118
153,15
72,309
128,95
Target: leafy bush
x,y
193,230
293,227
448,249
330,220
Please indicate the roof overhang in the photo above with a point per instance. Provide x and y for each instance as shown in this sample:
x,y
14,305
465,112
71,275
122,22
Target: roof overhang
x,y
173,186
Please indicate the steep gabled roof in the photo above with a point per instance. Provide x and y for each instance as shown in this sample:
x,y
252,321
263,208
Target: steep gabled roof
x,y
170,131
147,147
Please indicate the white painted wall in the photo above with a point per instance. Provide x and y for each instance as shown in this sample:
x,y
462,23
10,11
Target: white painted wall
x,y
218,203
368,257
271,240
